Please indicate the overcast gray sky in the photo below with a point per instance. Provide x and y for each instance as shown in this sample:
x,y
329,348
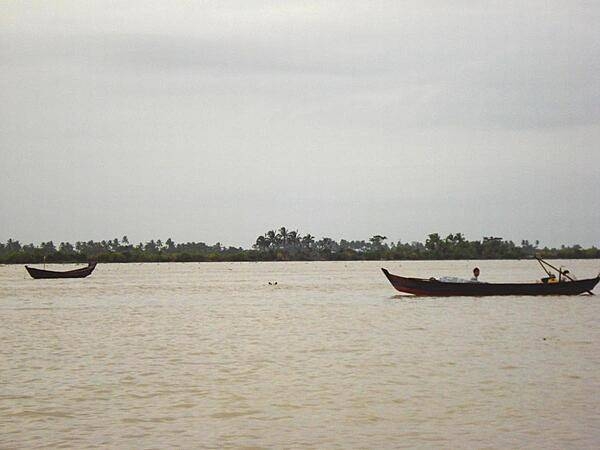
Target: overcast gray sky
x,y
216,121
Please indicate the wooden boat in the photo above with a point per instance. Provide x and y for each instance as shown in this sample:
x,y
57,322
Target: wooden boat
x,y
77,273
433,287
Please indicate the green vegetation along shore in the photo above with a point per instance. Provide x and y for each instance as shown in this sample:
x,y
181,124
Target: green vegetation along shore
x,y
285,245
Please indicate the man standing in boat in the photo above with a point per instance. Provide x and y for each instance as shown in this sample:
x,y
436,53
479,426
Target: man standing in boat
x,y
475,274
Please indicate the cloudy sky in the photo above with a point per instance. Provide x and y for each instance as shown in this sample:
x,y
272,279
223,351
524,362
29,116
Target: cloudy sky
x,y
218,120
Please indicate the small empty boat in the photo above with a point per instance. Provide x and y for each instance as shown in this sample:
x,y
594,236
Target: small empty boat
x,y
77,273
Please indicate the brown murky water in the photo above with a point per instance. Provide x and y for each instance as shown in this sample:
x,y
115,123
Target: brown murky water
x,y
210,356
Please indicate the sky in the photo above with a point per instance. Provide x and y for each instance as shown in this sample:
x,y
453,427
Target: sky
x,y
219,120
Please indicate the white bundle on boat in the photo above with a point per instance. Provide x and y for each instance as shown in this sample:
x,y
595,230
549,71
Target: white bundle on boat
x,y
454,280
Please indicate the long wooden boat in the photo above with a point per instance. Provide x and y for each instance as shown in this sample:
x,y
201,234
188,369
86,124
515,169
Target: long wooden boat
x,y
433,287
77,273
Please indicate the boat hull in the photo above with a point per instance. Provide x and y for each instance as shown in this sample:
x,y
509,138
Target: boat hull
x,y
77,273
432,287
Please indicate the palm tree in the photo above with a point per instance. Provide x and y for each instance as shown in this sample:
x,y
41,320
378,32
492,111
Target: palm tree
x,y
261,243
283,235
293,238
272,239
13,246
150,247
170,244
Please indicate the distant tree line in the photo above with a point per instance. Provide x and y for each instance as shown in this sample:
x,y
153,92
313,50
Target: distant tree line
x,y
286,245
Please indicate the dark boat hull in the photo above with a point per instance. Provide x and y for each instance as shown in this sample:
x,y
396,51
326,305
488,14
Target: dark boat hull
x,y
423,287
77,273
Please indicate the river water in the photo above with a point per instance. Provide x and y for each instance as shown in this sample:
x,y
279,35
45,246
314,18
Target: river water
x,y
210,355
